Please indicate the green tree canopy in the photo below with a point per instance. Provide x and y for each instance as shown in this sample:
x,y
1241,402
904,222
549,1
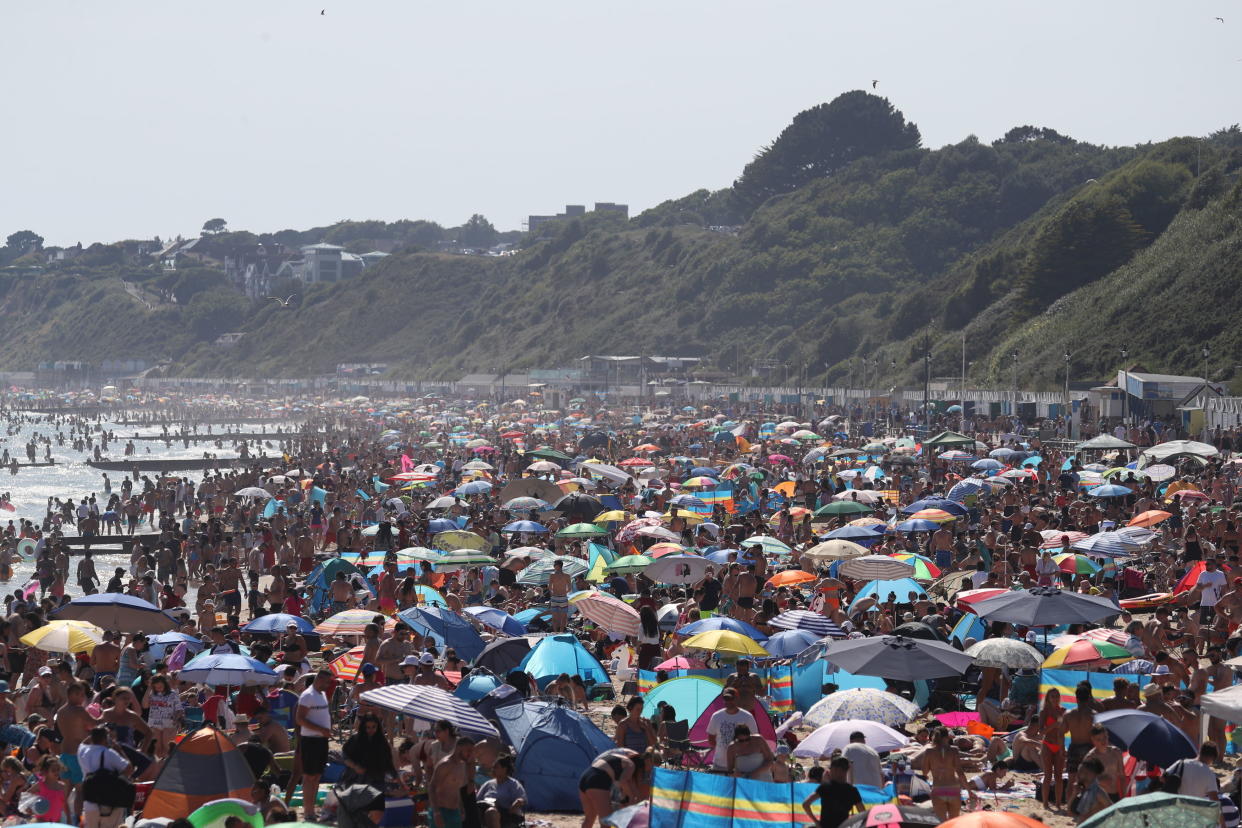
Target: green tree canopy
x,y
215,225
822,140
477,232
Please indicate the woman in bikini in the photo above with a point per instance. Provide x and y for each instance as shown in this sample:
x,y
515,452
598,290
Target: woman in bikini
x,y
1050,723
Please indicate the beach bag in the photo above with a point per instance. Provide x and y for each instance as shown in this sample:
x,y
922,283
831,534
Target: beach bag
x,y
108,788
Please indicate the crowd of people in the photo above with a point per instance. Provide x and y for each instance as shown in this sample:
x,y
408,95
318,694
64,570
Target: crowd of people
x,y
515,486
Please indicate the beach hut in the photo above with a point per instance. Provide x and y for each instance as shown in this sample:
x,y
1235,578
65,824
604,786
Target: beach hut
x,y
205,767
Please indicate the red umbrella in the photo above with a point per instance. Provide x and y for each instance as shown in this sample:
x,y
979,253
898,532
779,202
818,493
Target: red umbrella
x,y
967,598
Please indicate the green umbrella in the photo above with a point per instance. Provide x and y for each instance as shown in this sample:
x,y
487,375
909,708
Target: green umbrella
x,y
1158,810
628,564
461,559
843,507
550,454
582,530
949,438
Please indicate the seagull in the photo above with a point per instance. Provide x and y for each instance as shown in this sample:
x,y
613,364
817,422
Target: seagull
x,y
1221,19
1089,181
873,83
322,11
284,303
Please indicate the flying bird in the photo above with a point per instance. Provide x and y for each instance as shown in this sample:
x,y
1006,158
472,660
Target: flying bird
x,y
284,303
1221,19
322,11
873,83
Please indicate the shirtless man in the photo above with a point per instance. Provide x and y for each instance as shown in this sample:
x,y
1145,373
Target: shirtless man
x,y
387,589
74,723
1078,724
391,652
452,773
1113,780
106,657
943,763
341,593
231,582
748,685
1216,677
747,585
558,584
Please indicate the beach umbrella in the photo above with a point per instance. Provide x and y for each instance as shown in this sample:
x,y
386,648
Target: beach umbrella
x,y
726,642
446,502
543,466
768,543
1147,736
1110,544
117,612
965,488
867,497
944,504
1085,653
987,464
924,568
233,669
992,819
459,539
503,655
628,564
791,577
803,620
1045,607
1005,653
836,735
64,637
1157,810
722,622
582,530
610,614
680,662
541,571
447,627
276,623
677,569
519,526
842,507
1076,564
788,643
1110,490
897,657
253,491
429,705
1160,472
578,506
836,549
893,816
916,526
863,703
871,567
967,598
461,559
525,504
497,619
348,622
345,667
661,550
1149,518
1137,667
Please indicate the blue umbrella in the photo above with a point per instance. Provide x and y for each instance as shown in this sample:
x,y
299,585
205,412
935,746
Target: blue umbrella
x,y
1033,460
1109,490
442,525
1137,667
277,622
987,464
919,525
1001,452
686,501
880,589
164,643
789,643
231,669
497,619
965,489
721,556
524,526
1147,736
118,612
718,622
859,534
704,471
447,627
942,503
476,685
474,487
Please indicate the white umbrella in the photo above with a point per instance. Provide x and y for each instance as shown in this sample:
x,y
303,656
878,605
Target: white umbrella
x,y
836,735
677,569
861,703
1005,652
876,567
835,549
543,466
478,465
253,491
430,704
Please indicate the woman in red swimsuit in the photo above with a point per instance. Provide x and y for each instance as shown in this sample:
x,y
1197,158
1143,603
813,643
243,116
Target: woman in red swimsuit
x,y
1050,727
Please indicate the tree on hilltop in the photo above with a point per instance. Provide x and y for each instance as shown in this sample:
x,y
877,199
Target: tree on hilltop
x,y
477,232
821,140
215,225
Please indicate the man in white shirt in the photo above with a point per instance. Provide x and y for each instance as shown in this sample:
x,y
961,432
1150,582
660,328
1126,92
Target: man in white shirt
x,y
1210,585
864,762
721,725
94,755
314,722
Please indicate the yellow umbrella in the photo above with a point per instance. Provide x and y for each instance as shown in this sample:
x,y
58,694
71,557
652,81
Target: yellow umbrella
x,y
689,517
609,517
64,637
725,641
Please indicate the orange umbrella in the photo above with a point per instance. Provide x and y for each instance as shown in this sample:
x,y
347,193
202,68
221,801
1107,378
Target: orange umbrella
x,y
346,666
992,819
787,488
648,447
934,515
1149,518
790,577
659,550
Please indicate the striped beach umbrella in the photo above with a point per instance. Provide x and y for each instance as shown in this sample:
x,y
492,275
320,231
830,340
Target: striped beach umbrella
x,y
429,705
803,620
872,567
350,622
925,568
346,666
768,543
608,613
1086,652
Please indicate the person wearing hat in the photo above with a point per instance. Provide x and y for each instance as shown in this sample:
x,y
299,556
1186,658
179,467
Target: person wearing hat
x,y
409,669
428,675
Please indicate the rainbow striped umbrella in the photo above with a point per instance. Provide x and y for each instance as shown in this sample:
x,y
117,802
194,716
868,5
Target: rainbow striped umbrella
x,y
924,568
1075,564
346,666
1086,653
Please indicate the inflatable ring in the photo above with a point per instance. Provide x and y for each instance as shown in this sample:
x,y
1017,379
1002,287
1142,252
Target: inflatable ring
x,y
1144,602
214,814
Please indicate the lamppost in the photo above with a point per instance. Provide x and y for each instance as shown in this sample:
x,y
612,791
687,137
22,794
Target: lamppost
x,y
1068,414
1014,411
1207,352
926,383
1125,388
892,365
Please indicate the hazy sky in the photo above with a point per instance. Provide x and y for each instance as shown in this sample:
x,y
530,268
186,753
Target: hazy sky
x,y
131,119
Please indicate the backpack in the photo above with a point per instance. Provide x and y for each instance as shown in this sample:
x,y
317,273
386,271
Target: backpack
x,y
104,786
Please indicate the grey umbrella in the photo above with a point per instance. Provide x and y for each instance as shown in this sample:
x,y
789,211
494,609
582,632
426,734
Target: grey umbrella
x,y
1046,607
897,657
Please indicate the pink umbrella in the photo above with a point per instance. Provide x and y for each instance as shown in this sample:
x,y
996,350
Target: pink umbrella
x,y
680,662
779,458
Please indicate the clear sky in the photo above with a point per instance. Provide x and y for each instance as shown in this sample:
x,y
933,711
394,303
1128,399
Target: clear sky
x,y
142,117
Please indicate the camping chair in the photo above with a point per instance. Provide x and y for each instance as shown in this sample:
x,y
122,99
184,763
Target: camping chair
x,y
679,750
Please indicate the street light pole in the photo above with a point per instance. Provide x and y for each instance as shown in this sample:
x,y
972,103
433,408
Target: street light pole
x,y
926,382
1014,411
1125,388
1068,414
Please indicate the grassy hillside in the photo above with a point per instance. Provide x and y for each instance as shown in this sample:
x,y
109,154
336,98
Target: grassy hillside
x,y
1035,243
